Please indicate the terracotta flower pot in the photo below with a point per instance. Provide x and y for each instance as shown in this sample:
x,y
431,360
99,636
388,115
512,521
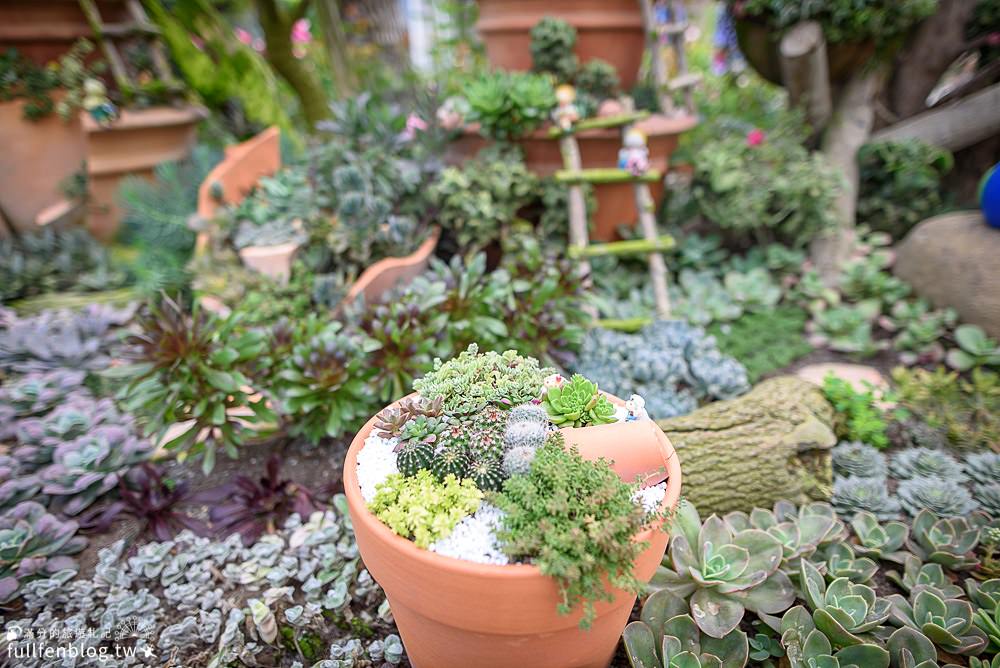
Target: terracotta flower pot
x,y
275,262
456,614
43,30
611,30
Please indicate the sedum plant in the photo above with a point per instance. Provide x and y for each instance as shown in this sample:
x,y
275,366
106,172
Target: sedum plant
x,y
577,403
965,410
940,496
34,544
666,636
946,541
85,469
878,541
859,459
723,571
948,623
926,462
422,508
918,576
854,495
845,612
858,416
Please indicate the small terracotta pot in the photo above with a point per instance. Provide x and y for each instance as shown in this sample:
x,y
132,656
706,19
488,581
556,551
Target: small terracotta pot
x,y
389,272
611,30
273,261
457,614
43,30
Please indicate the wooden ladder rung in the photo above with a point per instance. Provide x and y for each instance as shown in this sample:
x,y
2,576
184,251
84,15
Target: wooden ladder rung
x,y
600,123
672,28
618,248
606,175
689,80
624,324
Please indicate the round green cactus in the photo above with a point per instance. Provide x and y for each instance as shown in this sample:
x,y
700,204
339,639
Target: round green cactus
x,y
450,461
413,457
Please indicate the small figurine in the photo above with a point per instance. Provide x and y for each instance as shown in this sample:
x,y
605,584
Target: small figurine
x,y
636,407
566,113
554,380
97,104
634,156
452,112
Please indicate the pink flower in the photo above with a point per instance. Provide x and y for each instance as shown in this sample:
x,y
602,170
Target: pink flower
x,y
413,124
300,32
243,36
258,45
198,42
755,137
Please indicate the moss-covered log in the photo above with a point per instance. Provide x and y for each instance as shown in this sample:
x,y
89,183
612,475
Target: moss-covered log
x,y
772,443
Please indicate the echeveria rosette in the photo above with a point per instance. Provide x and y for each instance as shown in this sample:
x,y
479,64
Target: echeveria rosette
x,y
666,635
807,646
724,572
984,594
926,462
577,403
842,562
854,458
38,437
37,393
918,576
34,543
84,469
880,541
983,467
16,485
947,622
844,611
799,532
946,541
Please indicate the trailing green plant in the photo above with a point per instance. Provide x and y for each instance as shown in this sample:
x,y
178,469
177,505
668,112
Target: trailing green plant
x,y
722,570
966,410
949,541
186,368
666,635
423,508
853,495
576,519
764,342
846,613
975,349
879,541
859,460
772,190
35,545
857,417
947,622
577,403
472,381
508,105
900,184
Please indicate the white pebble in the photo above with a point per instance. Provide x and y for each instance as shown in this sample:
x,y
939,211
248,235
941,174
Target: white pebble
x,y
474,539
376,462
650,497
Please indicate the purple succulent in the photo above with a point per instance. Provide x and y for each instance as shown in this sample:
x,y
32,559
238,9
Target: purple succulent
x,y
34,543
15,486
38,437
37,393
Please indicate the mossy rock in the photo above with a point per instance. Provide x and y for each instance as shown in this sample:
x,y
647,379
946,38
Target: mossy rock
x,y
772,443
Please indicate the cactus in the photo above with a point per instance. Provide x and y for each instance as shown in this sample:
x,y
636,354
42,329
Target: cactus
x,y
949,542
948,622
578,403
939,495
517,461
34,544
845,612
854,495
926,462
414,456
450,461
666,635
524,434
723,571
859,460
488,475
878,541
530,412
917,576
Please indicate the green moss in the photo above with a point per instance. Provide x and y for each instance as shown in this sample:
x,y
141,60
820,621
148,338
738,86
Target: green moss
x,y
764,342
421,508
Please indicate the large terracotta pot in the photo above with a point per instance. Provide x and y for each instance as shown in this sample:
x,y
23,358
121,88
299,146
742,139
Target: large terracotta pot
x,y
43,30
598,148
36,156
759,45
456,614
608,29
133,145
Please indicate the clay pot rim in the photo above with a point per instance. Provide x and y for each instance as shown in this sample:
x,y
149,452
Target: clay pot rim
x,y
656,125
139,119
386,536
273,249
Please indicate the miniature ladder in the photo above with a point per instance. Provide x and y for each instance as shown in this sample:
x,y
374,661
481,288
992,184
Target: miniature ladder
x,y
575,176
672,31
140,28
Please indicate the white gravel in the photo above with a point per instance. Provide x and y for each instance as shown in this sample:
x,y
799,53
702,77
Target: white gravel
x,y
376,462
651,497
473,539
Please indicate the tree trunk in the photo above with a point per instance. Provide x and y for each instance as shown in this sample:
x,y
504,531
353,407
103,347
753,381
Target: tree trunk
x,y
277,26
335,40
805,74
954,127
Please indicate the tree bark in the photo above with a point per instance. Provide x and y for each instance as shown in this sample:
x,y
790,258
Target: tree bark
x,y
954,127
335,39
805,74
277,26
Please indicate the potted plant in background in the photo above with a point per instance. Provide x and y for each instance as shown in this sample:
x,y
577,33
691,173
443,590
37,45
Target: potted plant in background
x,y
467,500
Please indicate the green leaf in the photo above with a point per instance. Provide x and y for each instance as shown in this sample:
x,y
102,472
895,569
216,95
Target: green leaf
x,y
220,380
640,645
714,613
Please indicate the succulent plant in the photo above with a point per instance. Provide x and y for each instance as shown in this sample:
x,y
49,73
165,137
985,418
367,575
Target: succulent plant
x,y
914,433
975,349
939,495
984,594
841,562
389,422
948,623
800,533
450,461
38,437
983,467
723,571
879,541
855,495
666,635
84,469
37,393
529,412
414,456
946,541
975,662
423,429
480,435
16,485
517,461
988,497
807,645
859,460
525,434
488,474
917,576
908,648
34,544
927,463
577,403
845,612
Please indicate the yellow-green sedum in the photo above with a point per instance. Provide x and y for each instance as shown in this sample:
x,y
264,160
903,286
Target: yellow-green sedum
x,y
421,508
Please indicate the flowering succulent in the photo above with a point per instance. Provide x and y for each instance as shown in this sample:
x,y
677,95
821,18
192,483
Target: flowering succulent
x,y
421,508
666,635
879,541
947,622
844,611
84,469
470,382
38,437
34,544
926,462
854,495
578,403
854,458
939,495
946,541
36,393
917,576
723,571
808,646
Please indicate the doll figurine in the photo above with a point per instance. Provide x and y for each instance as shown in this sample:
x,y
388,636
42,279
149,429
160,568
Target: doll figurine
x,y
635,409
634,156
97,104
565,113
